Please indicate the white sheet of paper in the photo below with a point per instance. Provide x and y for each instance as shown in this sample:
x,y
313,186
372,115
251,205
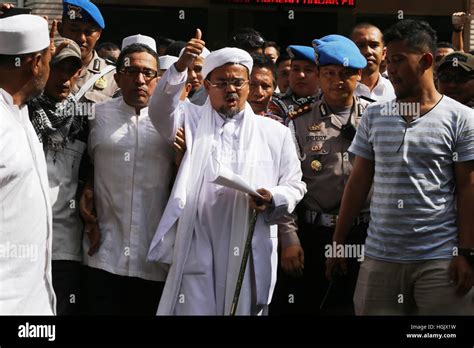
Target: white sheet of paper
x,y
225,177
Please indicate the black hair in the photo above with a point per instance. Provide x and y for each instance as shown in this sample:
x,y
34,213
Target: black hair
x,y
163,41
174,48
261,61
109,46
135,48
272,44
282,57
247,39
418,35
445,44
366,25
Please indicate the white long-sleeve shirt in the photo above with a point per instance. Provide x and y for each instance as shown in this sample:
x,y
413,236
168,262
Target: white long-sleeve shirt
x,y
383,90
203,285
25,217
132,172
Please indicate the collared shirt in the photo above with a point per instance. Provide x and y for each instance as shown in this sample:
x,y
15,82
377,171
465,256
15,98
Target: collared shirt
x,y
383,90
25,217
133,166
103,89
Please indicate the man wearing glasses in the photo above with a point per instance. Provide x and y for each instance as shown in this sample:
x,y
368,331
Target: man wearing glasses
x,y
132,171
203,231
456,77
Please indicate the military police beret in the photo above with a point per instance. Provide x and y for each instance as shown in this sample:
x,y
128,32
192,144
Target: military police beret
x,y
83,11
301,53
338,50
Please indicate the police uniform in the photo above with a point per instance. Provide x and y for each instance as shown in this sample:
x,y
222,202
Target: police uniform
x,y
282,105
103,87
322,138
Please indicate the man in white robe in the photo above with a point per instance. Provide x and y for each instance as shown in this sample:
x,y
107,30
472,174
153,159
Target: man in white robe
x,y
25,210
204,227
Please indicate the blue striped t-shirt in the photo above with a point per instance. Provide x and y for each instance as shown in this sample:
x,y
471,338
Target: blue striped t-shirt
x,y
413,215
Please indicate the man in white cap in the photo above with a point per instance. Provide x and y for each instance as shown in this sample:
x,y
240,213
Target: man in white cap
x,y
25,218
133,166
204,227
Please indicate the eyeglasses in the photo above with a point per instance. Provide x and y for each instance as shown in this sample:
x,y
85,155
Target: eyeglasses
x,y
237,83
148,73
456,78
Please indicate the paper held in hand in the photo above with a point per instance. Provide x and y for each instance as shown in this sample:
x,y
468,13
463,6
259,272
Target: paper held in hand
x,y
225,177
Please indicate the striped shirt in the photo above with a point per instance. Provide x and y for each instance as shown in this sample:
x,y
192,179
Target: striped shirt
x,y
413,215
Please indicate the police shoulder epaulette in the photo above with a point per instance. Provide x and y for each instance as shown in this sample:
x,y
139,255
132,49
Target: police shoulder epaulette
x,y
370,100
110,62
300,110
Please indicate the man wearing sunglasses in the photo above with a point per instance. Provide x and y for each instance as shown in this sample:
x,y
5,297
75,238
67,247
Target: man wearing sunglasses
x,y
456,77
132,172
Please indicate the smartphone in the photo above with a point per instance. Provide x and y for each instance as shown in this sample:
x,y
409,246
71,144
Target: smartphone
x,y
14,11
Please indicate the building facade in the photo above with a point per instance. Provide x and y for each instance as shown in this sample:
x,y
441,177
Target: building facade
x,y
276,19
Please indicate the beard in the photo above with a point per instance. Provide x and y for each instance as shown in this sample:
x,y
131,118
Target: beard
x,y
230,112
37,86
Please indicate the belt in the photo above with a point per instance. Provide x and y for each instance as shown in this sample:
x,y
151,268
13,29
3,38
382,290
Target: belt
x,y
329,220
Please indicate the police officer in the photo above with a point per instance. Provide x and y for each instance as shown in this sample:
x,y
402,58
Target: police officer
x,y
303,81
323,133
83,23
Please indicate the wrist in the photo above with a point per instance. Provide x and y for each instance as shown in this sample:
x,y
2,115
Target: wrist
x,y
468,254
458,30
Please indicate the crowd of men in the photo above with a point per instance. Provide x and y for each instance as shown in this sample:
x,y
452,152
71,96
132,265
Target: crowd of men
x,y
357,153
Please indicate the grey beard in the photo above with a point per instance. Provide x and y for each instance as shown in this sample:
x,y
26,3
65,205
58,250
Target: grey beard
x,y
229,113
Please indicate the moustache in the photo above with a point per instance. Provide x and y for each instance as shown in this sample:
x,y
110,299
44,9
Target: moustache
x,y
232,96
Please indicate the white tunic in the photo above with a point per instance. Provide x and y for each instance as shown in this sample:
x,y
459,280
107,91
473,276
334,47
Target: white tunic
x,y
203,286
132,173
383,90
25,217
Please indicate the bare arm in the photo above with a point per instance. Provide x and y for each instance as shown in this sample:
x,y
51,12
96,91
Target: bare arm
x,y
354,197
460,270
353,200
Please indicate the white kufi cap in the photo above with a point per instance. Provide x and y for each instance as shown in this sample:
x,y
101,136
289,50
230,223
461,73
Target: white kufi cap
x,y
167,61
225,56
139,39
23,34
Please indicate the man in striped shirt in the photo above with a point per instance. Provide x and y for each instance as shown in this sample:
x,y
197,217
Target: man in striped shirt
x,y
418,152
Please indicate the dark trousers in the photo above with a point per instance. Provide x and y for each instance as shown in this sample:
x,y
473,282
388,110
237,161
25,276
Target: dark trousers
x,y
111,294
304,295
67,284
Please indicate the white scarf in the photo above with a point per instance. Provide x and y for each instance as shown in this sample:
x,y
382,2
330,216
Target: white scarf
x,y
199,157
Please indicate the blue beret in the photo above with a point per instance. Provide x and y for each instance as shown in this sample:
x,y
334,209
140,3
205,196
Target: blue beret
x,y
338,50
301,53
83,11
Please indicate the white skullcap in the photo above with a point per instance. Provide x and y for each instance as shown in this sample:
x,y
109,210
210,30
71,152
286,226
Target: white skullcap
x,y
23,34
167,61
139,39
225,56
205,52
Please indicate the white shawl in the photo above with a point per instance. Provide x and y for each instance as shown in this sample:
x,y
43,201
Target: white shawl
x,y
191,176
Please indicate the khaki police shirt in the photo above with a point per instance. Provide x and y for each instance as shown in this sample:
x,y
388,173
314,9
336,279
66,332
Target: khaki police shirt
x,y
282,106
104,88
326,164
